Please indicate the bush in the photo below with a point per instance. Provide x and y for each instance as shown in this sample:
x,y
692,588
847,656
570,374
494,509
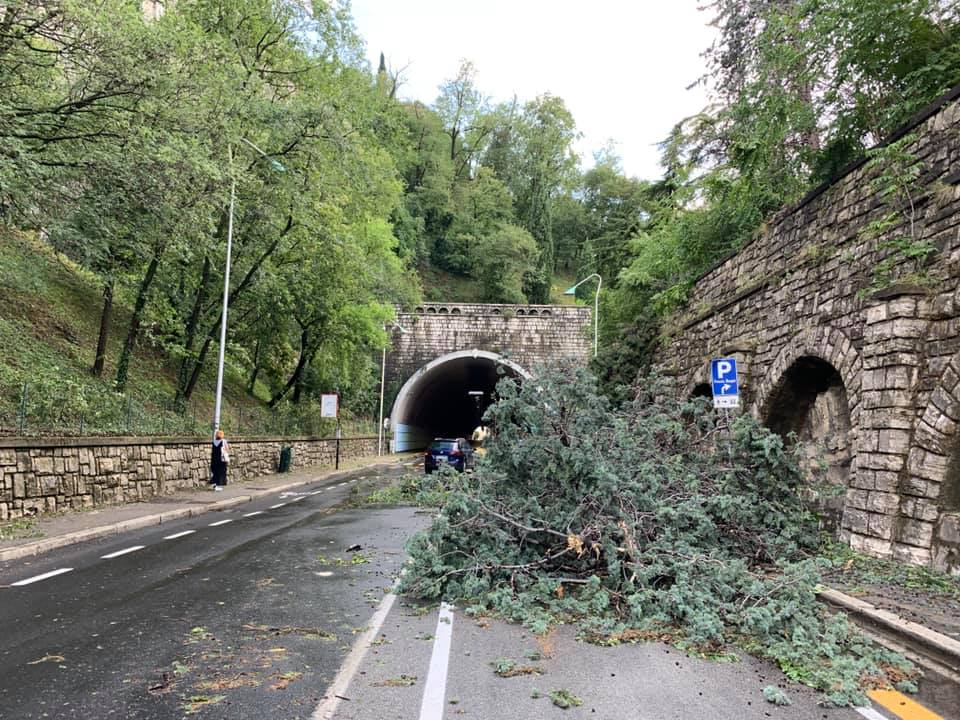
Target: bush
x,y
658,519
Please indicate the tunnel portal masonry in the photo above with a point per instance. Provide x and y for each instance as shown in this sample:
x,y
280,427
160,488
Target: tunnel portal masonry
x,y
442,369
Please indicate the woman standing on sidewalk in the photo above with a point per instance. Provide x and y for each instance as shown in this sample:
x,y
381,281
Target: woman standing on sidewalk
x,y
219,459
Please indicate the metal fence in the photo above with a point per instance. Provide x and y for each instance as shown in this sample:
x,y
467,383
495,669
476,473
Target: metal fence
x,y
35,410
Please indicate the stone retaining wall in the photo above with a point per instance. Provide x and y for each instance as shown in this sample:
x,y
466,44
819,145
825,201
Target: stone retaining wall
x,y
803,292
48,474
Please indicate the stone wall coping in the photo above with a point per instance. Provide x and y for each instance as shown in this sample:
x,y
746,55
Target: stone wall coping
x,y
447,308
28,443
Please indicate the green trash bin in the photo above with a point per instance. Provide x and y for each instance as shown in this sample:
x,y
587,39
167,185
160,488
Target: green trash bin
x,y
286,458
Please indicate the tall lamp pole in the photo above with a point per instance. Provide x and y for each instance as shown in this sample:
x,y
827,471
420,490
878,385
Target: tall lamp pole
x,y
596,305
383,380
276,165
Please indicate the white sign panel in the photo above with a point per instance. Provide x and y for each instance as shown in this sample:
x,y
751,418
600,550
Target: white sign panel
x,y
329,406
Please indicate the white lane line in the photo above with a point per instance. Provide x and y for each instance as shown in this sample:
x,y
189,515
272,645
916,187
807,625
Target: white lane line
x,y
179,535
118,553
298,499
220,522
436,685
278,505
316,492
870,713
255,512
38,578
331,699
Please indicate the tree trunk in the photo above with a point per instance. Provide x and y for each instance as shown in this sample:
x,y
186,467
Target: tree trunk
x,y
197,367
105,315
183,377
298,371
123,364
256,368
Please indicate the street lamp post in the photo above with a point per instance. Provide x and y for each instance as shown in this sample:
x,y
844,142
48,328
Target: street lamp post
x,y
276,165
596,305
383,380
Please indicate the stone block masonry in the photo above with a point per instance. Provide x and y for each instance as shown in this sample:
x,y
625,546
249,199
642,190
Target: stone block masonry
x,y
801,308
529,335
43,475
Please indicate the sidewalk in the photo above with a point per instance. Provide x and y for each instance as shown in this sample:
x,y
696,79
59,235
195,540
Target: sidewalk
x,y
54,531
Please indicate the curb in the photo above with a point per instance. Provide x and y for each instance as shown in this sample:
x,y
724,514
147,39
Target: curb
x,y
940,648
41,546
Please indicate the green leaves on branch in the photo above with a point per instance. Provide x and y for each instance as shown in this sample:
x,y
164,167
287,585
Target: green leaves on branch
x,y
658,519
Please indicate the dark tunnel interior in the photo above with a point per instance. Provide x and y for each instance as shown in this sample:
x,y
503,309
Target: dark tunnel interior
x,y
803,382
449,399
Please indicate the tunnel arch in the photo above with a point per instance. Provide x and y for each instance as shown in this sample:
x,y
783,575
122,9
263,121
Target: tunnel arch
x,y
435,400
809,405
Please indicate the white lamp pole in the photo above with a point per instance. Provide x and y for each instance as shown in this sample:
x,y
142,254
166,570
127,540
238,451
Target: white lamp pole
x,y
226,297
226,275
596,305
383,381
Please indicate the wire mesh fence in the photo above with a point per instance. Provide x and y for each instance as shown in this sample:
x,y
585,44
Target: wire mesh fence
x,y
36,410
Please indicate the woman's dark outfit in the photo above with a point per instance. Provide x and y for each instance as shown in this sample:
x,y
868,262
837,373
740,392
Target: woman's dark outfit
x,y
218,468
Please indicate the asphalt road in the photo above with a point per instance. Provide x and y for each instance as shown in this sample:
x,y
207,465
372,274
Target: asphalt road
x,y
246,613
262,611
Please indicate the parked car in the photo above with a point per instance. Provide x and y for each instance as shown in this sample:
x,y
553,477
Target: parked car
x,y
456,452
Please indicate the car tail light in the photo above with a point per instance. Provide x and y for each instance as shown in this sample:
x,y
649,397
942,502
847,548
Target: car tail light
x,y
456,453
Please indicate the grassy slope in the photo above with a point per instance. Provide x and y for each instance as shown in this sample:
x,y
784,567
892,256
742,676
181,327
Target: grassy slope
x,y
441,286
49,319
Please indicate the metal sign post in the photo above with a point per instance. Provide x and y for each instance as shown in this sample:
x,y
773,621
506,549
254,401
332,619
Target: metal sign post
x,y
723,376
330,408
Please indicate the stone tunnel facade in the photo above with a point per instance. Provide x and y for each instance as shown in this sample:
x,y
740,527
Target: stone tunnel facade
x,y
441,370
865,367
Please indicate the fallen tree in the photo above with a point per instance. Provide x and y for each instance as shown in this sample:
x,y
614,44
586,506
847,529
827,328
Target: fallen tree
x,y
660,519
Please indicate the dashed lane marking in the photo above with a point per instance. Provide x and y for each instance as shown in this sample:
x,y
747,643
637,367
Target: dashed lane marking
x,y
316,492
38,578
255,512
298,499
219,522
902,706
278,505
179,535
118,553
436,686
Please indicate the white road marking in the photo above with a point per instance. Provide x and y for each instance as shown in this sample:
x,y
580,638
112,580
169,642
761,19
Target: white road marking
x,y
179,535
316,492
38,578
255,512
323,573
436,685
870,713
278,505
331,699
298,499
220,522
118,553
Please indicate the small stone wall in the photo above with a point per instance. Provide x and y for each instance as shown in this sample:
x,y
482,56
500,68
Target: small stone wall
x,y
44,475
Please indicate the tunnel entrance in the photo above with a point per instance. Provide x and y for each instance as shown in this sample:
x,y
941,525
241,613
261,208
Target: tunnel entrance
x,y
811,402
447,397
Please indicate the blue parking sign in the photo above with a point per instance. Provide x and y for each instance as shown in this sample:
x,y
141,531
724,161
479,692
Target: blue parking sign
x,y
723,376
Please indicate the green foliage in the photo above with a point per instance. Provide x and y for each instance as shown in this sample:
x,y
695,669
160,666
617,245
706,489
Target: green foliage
x,y
565,699
773,694
655,516
896,172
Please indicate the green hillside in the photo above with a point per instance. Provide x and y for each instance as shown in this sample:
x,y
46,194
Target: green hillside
x,y
49,316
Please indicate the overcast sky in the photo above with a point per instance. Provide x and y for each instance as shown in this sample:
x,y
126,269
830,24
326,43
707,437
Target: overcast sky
x,y
621,66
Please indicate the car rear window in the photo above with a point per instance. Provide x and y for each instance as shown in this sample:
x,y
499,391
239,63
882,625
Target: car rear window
x,y
436,446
